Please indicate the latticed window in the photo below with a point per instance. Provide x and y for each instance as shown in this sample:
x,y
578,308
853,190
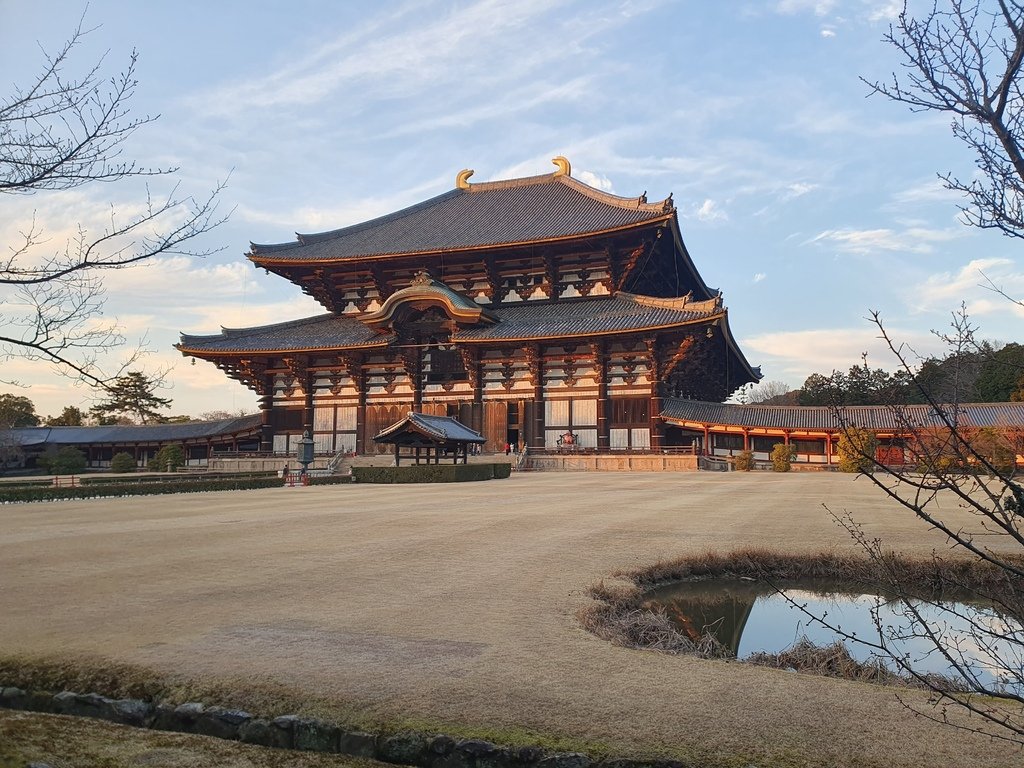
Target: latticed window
x,y
630,410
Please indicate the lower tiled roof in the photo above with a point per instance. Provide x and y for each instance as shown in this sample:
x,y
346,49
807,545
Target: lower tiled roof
x,y
528,320
874,417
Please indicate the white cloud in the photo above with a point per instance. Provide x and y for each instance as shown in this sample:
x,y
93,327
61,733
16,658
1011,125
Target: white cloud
x,y
708,211
869,241
595,180
817,7
758,277
973,284
828,32
794,355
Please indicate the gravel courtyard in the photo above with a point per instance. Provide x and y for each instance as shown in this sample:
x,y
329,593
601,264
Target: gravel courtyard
x,y
455,604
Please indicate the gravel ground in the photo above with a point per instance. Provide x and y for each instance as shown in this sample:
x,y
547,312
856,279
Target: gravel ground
x,y
454,605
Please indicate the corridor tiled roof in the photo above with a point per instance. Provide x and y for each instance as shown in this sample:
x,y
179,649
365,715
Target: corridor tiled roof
x,y
436,427
874,417
129,434
528,320
536,208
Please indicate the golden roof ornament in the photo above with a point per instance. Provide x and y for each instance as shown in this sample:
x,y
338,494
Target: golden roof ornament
x,y
462,179
564,168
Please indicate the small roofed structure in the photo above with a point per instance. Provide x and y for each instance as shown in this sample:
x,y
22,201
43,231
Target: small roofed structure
x,y
427,435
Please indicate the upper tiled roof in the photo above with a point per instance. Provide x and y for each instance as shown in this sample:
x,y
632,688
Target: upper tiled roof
x,y
874,417
146,433
495,213
528,320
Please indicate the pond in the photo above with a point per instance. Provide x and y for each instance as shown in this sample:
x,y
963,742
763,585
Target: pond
x,y
753,616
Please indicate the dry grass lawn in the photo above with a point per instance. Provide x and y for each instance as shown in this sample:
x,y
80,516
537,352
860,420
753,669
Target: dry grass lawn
x,y
453,607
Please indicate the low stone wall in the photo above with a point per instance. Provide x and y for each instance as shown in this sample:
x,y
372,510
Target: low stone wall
x,y
268,464
604,462
294,732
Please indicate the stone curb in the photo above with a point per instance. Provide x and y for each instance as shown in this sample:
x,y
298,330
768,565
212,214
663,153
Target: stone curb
x,y
309,734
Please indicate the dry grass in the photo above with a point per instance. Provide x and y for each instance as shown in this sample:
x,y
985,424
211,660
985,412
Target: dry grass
x,y
71,742
453,610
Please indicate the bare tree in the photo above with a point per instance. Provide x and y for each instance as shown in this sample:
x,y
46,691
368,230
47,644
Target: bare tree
x,y
964,59
58,133
960,480
771,392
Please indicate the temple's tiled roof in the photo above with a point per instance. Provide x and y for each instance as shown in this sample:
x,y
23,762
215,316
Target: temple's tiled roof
x,y
874,417
526,210
320,332
529,320
121,434
437,427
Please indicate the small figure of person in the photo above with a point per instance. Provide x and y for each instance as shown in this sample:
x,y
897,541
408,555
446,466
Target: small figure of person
x,y
508,449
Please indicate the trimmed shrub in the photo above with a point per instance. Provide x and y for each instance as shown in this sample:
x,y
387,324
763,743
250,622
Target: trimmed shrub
x,y
431,473
135,489
167,459
782,457
330,480
63,461
856,450
123,462
744,461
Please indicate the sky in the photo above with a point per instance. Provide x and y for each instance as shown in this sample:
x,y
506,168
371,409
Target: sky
x,y
807,202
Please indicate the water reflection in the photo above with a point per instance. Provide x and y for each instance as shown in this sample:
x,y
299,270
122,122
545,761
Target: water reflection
x,y
751,616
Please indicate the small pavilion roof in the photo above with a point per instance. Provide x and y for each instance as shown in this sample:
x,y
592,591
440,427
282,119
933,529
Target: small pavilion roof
x,y
824,418
441,429
499,213
600,315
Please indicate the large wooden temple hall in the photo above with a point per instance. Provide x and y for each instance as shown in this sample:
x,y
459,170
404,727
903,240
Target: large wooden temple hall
x,y
526,308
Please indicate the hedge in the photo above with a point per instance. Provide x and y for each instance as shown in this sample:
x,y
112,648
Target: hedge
x,y
431,473
330,479
135,489
170,477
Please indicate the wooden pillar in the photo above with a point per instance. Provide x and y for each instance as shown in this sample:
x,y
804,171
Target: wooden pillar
x,y
706,448
828,449
417,381
746,440
536,362
476,381
654,373
603,403
266,406
359,378
307,405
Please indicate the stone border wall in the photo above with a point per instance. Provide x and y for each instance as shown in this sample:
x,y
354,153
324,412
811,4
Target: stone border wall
x,y
602,462
301,733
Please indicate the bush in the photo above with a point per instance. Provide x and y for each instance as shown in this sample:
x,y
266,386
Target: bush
x,y
431,473
64,461
744,461
330,479
856,450
167,459
123,462
782,457
135,489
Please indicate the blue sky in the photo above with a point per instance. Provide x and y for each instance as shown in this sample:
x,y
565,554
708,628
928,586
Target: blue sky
x,y
806,202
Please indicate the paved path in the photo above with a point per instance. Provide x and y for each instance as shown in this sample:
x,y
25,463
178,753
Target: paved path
x,y
456,604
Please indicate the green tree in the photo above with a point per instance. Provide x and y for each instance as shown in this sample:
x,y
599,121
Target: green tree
x,y
71,416
782,457
17,411
63,461
167,459
856,450
133,396
123,462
